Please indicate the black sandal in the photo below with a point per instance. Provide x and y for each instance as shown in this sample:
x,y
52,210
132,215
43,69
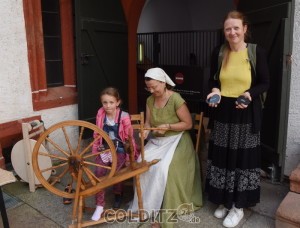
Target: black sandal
x,y
68,189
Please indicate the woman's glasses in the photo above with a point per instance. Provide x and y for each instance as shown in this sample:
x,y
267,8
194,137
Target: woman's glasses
x,y
152,88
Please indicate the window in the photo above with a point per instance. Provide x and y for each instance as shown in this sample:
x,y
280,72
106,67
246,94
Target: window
x,y
52,42
51,54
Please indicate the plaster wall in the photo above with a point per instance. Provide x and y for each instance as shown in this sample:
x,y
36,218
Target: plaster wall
x,y
15,88
55,115
292,158
15,93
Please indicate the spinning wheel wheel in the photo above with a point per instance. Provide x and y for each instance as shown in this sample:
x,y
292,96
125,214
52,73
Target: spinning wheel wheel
x,y
71,160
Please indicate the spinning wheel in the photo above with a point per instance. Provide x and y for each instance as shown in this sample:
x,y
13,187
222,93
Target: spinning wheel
x,y
73,158
73,163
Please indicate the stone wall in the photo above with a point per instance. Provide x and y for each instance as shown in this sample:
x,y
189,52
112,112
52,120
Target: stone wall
x,y
293,136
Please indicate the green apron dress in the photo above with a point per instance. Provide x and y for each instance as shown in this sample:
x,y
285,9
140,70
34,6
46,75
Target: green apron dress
x,y
183,187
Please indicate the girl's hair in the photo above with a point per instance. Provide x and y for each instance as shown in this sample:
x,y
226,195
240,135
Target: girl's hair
x,y
111,91
234,14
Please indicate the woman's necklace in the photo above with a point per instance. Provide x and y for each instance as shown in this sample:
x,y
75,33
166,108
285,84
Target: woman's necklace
x,y
162,101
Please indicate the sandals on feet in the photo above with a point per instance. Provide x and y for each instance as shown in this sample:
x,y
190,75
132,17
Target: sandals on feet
x,y
68,189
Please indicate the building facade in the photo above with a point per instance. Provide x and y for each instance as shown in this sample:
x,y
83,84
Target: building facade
x,y
19,90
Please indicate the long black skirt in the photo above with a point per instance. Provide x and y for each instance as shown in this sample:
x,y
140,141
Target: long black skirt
x,y
234,157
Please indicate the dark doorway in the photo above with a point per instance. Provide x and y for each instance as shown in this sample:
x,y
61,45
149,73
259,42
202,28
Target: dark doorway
x,y
271,28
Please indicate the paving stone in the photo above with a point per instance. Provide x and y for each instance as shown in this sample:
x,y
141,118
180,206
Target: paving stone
x,y
287,214
270,197
257,220
295,180
47,209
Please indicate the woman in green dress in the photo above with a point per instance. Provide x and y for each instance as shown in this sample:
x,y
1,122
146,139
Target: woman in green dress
x,y
174,183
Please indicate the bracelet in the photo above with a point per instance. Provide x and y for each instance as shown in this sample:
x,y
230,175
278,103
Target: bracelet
x,y
169,126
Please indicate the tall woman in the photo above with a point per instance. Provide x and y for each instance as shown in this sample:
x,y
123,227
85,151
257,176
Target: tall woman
x,y
233,173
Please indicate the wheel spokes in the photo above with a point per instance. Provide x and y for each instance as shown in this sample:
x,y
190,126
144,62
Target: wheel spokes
x,y
98,165
79,140
96,154
52,156
90,175
57,178
90,145
67,140
54,167
68,156
57,147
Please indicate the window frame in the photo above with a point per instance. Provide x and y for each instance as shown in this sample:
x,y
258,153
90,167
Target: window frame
x,y
43,97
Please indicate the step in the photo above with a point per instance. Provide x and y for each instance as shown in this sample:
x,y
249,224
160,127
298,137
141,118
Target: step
x,y
295,180
287,214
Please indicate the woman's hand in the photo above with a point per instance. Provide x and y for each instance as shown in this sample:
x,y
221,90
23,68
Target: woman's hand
x,y
215,91
145,134
164,128
243,106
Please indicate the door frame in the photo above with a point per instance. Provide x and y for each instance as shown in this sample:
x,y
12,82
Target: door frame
x,y
285,96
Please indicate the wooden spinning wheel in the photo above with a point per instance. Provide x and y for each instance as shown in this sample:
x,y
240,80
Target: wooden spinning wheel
x,y
73,163
68,161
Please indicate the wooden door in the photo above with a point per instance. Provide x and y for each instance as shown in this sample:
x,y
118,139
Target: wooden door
x,y
101,52
271,28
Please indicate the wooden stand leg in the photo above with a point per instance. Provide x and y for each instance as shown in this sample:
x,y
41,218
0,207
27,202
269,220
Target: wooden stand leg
x,y
76,200
80,211
28,156
140,198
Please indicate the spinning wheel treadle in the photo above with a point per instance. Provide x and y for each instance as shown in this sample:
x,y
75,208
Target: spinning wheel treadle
x,y
69,158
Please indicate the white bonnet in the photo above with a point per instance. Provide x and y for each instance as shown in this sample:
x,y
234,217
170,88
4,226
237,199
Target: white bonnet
x,y
159,75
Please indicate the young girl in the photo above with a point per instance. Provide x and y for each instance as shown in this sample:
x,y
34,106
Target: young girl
x,y
117,124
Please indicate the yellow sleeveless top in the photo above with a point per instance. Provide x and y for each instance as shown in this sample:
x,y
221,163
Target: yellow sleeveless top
x,y
236,76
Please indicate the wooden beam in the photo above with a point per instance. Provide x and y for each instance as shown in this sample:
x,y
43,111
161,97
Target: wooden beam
x,y
11,132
